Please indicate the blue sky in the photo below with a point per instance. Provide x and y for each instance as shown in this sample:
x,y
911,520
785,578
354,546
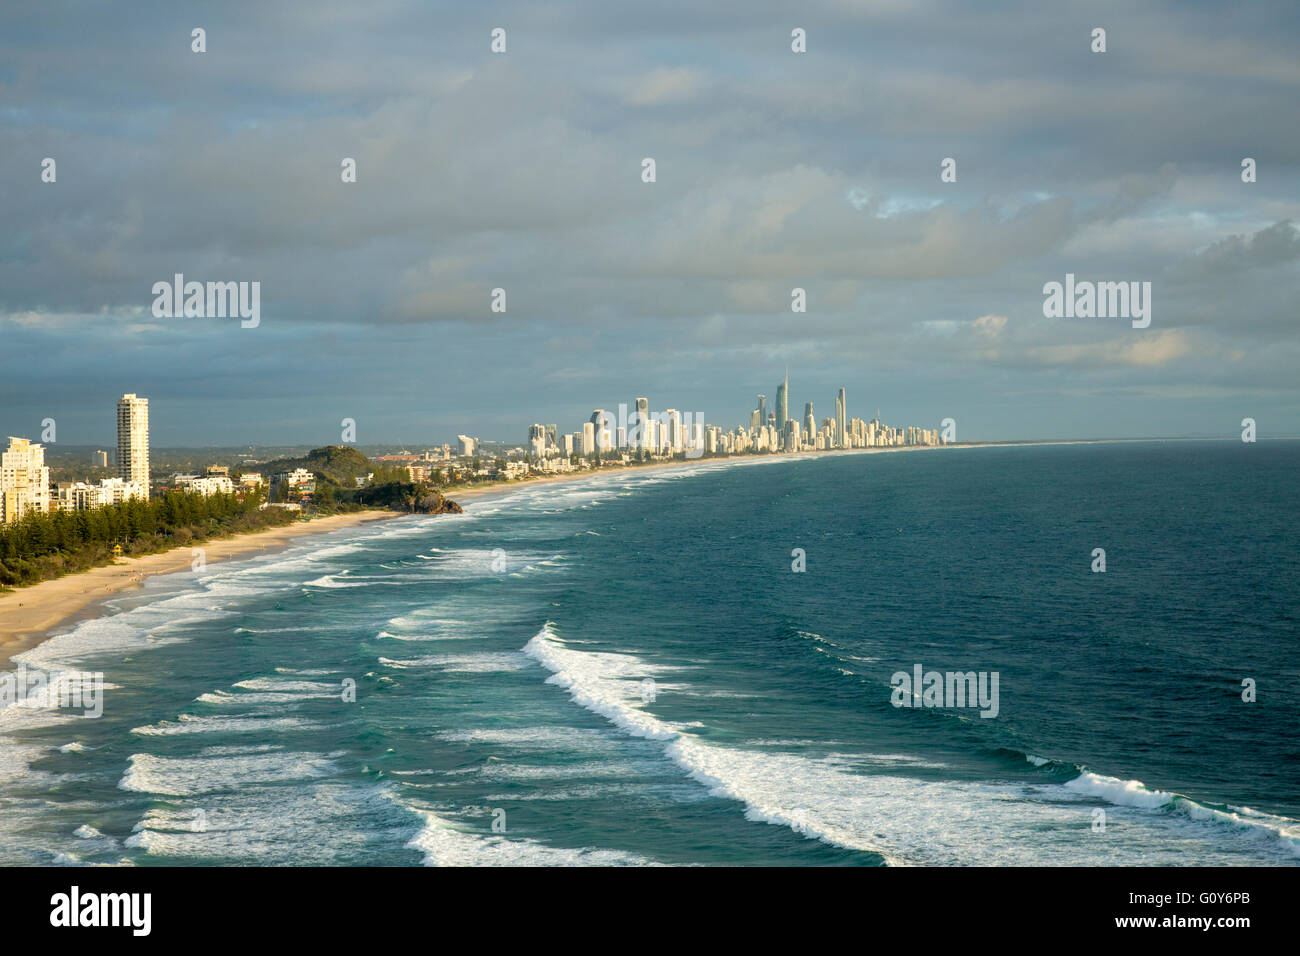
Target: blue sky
x,y
522,171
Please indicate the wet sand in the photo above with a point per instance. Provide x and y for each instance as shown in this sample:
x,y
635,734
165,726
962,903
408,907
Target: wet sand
x,y
28,614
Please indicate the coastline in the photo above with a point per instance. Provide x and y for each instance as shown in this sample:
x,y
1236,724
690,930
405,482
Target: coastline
x,y
470,492
28,615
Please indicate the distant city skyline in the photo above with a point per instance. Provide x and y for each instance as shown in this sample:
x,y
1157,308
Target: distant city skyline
x,y
173,427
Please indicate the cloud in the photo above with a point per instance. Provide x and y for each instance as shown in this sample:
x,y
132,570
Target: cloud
x,y
990,326
1159,349
522,171
667,85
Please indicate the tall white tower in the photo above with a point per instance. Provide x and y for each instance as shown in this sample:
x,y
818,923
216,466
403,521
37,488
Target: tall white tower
x,y
133,438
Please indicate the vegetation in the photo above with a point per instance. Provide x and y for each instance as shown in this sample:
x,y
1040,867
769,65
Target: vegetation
x,y
42,546
335,464
403,496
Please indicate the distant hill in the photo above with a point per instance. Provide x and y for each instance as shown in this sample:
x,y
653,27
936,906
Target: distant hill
x,y
334,463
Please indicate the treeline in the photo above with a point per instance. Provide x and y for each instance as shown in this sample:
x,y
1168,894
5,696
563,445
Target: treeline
x,y
42,546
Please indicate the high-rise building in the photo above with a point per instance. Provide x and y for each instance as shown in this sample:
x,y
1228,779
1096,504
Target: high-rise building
x,y
600,422
99,459
809,421
790,435
537,440
133,438
783,402
466,445
762,410
841,435
24,480
640,425
588,439
676,440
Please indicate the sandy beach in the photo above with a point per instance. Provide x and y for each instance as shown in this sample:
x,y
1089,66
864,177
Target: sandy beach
x,y
28,614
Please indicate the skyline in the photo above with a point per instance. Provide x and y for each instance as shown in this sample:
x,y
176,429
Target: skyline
x,y
621,429
924,296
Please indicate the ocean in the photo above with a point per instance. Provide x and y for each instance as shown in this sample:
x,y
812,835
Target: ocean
x,y
629,670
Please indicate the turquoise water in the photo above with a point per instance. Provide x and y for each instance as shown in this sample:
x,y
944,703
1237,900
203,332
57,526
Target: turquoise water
x,y
626,670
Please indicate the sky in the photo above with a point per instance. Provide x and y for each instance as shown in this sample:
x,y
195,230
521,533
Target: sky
x,y
522,170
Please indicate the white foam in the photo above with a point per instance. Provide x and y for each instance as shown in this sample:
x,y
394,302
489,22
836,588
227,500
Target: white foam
x,y
332,581
211,773
1134,793
222,724
607,684
859,802
444,843
320,822
462,663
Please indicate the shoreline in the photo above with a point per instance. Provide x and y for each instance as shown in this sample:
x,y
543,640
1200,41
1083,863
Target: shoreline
x,y
470,492
29,614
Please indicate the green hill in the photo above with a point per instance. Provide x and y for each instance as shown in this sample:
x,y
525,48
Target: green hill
x,y
334,463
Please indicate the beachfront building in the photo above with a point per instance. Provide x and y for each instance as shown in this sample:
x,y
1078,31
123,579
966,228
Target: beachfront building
x,y
604,437
84,495
537,440
640,424
295,483
133,438
841,438
204,485
24,480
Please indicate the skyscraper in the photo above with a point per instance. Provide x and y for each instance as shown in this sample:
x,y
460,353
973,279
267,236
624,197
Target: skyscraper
x,y
24,480
783,403
841,436
809,422
762,410
600,422
676,439
133,438
537,440
638,432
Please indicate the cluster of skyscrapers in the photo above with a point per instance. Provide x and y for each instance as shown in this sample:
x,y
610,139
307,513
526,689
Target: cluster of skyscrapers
x,y
642,433
25,478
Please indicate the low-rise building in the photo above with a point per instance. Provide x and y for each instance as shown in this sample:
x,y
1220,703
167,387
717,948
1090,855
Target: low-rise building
x,y
204,485
84,495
